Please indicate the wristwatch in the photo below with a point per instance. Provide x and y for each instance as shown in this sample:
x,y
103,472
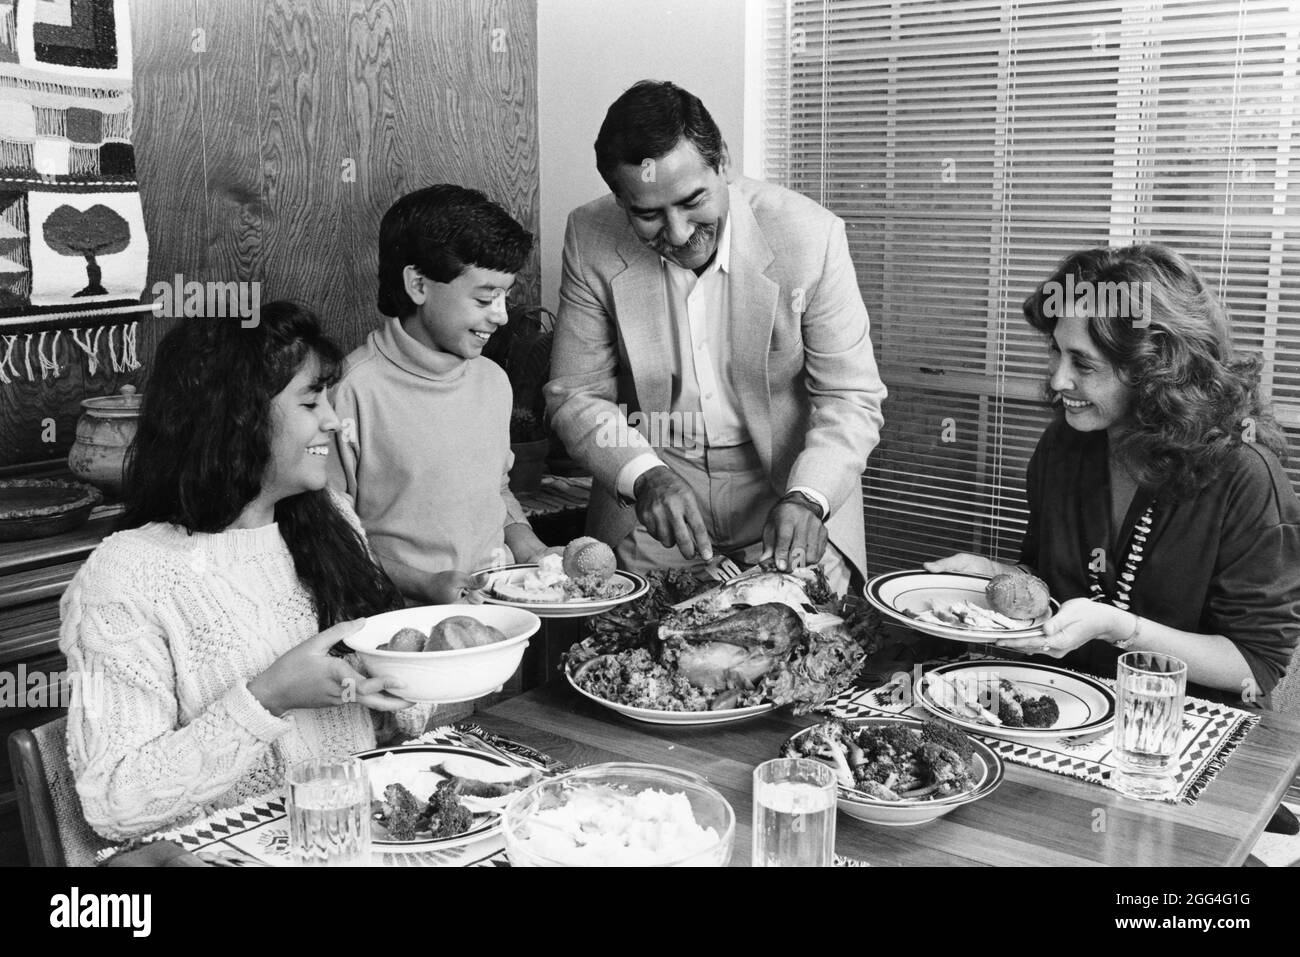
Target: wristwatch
x,y
807,501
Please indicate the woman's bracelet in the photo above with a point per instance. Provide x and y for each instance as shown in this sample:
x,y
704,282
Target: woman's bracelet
x,y
1123,643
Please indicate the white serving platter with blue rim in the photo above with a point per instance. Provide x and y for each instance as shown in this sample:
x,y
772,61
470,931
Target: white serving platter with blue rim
x,y
385,766
896,593
1086,704
988,774
631,587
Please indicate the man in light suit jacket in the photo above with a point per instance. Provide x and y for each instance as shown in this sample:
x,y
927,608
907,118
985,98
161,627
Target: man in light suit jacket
x,y
711,365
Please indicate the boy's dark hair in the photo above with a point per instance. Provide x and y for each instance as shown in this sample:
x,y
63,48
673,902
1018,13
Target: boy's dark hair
x,y
440,230
649,120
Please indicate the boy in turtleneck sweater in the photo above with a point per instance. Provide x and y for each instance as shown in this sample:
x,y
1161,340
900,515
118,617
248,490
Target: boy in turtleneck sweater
x,y
424,448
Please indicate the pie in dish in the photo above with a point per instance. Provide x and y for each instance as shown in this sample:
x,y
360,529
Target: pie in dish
x,y
34,508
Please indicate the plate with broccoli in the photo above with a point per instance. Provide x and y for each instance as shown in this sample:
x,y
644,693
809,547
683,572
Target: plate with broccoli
x,y
1026,702
438,796
900,772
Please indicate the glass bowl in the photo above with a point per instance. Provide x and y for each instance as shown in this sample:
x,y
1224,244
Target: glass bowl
x,y
620,815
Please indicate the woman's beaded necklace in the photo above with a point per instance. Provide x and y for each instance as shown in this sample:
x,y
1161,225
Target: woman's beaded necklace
x,y
1127,574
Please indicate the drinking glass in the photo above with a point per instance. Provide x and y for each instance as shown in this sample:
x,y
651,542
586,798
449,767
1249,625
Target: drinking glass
x,y
329,813
1149,691
794,814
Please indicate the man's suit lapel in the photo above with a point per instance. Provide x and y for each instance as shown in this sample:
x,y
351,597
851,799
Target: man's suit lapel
x,y
644,324
754,299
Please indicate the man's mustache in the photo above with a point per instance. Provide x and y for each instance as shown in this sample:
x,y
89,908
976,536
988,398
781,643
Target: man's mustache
x,y
702,236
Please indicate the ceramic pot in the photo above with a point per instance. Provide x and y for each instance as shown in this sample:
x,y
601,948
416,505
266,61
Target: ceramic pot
x,y
104,432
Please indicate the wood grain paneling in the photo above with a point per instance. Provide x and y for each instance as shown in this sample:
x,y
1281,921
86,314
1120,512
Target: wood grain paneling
x,y
243,148
248,113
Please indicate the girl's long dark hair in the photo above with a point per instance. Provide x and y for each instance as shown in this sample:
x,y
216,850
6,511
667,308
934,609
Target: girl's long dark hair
x,y
204,442
1193,396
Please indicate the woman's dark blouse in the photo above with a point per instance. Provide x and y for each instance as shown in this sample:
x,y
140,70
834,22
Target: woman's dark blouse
x,y
1223,562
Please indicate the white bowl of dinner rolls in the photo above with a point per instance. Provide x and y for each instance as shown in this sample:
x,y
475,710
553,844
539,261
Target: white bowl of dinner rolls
x,y
450,674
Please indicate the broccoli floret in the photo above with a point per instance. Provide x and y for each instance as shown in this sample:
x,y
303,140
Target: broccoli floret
x,y
830,740
878,771
1041,712
1010,715
942,766
941,733
401,813
888,741
447,816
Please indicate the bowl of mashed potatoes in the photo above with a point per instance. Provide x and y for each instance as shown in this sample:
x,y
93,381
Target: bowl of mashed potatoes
x,y
620,815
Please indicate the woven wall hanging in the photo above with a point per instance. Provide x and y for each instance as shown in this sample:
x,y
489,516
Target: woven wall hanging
x,y
73,249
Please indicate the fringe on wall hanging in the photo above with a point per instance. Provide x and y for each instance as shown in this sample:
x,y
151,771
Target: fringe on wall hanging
x,y
112,346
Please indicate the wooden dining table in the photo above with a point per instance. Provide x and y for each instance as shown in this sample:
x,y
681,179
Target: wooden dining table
x,y
1033,818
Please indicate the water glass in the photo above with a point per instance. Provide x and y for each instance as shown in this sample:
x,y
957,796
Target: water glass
x,y
794,814
1149,691
329,813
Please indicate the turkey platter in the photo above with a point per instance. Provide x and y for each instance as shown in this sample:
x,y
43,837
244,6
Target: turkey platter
x,y
767,638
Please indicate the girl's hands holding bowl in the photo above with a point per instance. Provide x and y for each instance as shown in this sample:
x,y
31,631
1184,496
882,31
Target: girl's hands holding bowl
x,y
307,676
1079,621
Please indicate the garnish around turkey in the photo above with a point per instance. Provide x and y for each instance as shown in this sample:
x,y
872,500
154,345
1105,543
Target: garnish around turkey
x,y
769,637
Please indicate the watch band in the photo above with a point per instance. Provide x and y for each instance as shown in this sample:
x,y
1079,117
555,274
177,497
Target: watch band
x,y
1133,636
799,498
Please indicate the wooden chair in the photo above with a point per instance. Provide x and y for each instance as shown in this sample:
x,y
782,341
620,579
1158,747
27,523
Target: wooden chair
x,y
54,827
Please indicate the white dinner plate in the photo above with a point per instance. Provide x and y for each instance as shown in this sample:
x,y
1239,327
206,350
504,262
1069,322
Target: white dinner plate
x,y
653,716
897,593
631,586
1087,705
409,765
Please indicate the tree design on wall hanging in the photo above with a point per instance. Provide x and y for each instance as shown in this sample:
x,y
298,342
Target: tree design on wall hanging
x,y
73,249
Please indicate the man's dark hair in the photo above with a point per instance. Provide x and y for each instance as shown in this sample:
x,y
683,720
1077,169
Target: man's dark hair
x,y
649,120
440,230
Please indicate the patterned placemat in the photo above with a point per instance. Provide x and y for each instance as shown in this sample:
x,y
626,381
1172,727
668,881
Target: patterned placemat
x,y
1210,733
256,834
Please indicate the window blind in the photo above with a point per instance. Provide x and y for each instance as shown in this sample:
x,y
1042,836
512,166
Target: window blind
x,y
969,145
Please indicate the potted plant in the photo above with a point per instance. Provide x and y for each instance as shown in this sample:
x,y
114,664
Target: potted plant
x,y
522,347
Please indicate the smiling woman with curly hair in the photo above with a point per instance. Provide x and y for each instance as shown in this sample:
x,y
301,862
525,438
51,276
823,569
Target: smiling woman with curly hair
x,y
1192,397
1159,512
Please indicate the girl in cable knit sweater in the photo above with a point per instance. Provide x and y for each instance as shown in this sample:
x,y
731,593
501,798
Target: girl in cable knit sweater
x,y
200,637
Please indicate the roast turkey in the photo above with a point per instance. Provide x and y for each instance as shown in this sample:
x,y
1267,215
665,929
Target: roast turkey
x,y
730,650
761,589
